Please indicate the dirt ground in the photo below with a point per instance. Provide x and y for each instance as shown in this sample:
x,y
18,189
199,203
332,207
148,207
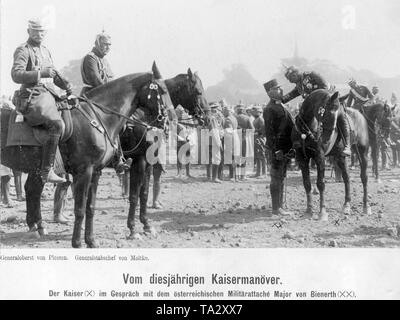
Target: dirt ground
x,y
201,214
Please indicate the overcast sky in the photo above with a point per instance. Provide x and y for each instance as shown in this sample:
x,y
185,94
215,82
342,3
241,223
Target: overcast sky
x,y
211,35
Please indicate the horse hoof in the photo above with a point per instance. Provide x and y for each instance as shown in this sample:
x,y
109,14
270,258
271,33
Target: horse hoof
x,y
315,191
76,244
323,217
42,232
309,211
150,231
315,216
92,244
346,209
134,236
368,210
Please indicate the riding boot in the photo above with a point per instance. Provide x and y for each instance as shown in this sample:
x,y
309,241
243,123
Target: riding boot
x,y
48,155
345,130
274,190
215,178
18,185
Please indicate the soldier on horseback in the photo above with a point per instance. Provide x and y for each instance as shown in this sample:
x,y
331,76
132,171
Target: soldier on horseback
x,y
95,69
306,83
33,68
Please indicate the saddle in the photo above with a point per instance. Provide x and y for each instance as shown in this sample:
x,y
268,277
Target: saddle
x,y
22,134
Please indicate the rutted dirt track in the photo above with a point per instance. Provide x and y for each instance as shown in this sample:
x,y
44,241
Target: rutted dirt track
x,y
200,214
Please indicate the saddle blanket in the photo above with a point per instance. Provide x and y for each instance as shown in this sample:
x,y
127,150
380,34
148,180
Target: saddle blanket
x,y
22,134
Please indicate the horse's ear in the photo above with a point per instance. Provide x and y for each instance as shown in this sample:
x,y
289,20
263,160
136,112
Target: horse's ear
x,y
190,74
156,72
335,96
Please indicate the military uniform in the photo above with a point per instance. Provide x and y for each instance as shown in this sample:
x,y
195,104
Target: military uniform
x,y
95,70
213,124
309,82
230,126
359,96
244,123
29,60
278,128
33,68
259,145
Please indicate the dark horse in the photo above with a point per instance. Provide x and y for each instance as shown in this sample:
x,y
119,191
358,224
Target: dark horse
x,y
185,90
306,140
332,141
376,115
88,150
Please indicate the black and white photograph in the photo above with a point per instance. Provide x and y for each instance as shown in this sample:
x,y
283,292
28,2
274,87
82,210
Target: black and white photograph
x,y
208,130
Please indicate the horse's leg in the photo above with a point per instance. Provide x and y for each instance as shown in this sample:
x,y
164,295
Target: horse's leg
x,y
362,151
137,174
320,162
374,156
144,195
33,191
81,190
342,163
305,171
90,207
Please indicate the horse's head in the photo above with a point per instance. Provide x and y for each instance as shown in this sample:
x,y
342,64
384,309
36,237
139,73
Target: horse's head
x,y
187,90
154,101
329,119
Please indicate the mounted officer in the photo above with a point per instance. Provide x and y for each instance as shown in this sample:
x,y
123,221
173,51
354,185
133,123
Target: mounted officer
x,y
95,69
278,128
359,95
33,68
306,83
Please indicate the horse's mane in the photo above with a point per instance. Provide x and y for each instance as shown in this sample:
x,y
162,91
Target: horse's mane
x,y
316,99
114,86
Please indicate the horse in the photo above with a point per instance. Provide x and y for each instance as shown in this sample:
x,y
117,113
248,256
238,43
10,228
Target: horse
x,y
332,141
185,90
97,121
307,145
375,114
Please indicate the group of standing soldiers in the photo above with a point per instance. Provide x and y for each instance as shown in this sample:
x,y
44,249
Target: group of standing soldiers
x,y
224,122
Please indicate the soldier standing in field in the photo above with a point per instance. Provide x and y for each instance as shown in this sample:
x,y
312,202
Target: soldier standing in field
x,y
278,128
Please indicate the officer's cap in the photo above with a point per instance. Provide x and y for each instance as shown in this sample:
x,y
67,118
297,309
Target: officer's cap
x,y
271,85
36,24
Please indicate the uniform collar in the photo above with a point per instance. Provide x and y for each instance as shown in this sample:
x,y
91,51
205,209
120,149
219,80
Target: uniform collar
x,y
33,44
97,52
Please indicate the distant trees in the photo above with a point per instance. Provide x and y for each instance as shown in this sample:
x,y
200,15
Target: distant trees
x,y
72,72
